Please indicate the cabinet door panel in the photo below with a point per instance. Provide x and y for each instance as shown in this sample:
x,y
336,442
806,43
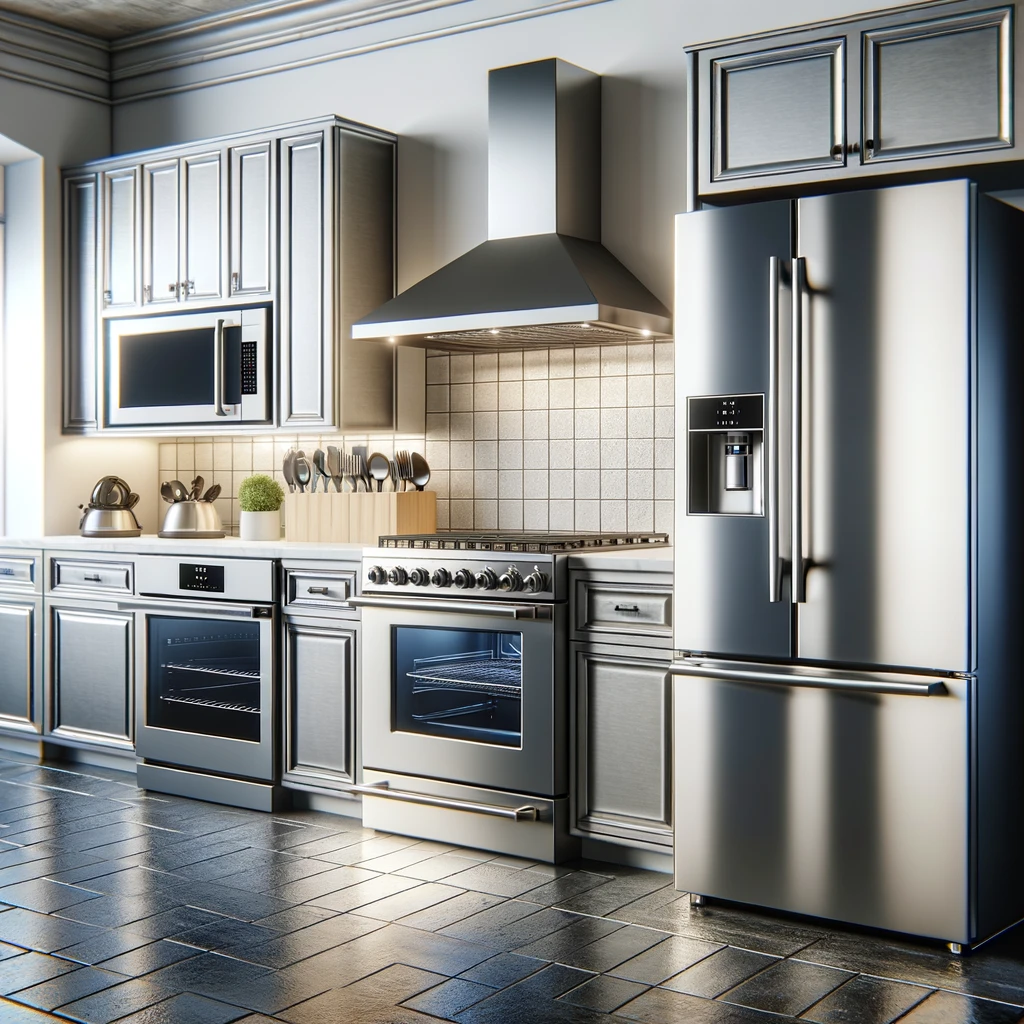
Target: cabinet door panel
x,y
623,746
320,690
251,190
938,87
19,655
120,237
91,679
306,367
160,232
778,110
80,303
201,244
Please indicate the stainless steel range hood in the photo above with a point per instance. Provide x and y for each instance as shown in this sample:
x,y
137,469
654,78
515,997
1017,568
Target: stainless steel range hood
x,y
542,279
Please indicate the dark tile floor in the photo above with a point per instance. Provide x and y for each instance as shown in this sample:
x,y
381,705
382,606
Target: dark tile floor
x,y
117,905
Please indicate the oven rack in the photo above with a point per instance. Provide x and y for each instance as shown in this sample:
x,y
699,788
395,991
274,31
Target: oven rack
x,y
501,677
205,702
207,669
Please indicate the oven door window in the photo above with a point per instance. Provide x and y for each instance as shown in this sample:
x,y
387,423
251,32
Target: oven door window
x,y
175,368
204,677
464,684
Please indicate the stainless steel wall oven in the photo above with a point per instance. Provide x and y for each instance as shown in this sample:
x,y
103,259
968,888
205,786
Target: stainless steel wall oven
x,y
206,668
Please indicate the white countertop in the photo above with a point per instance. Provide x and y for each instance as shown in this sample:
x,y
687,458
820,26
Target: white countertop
x,y
656,558
221,547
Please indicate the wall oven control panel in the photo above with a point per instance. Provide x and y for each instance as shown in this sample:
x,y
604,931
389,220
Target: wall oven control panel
x,y
207,578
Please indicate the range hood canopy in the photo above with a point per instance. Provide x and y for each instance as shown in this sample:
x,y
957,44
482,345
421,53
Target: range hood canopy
x,y
542,279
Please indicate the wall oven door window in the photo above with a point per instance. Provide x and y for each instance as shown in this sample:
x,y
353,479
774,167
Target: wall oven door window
x,y
188,368
462,695
207,689
459,683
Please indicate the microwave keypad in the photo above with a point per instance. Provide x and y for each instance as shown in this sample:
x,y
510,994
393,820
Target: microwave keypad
x,y
249,382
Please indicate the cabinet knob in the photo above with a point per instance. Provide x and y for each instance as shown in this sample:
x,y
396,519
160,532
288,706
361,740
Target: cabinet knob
x,y
173,288
853,147
869,143
108,296
189,287
836,151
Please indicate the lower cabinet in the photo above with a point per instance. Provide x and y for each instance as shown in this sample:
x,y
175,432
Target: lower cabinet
x,y
319,699
21,670
91,678
622,761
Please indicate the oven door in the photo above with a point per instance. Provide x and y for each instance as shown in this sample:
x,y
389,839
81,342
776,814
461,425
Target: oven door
x,y
205,678
188,368
462,692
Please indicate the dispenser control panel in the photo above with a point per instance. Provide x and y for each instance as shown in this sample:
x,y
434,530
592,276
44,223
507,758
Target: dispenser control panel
x,y
740,412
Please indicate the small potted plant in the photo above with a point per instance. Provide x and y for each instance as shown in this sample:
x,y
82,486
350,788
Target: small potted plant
x,y
259,503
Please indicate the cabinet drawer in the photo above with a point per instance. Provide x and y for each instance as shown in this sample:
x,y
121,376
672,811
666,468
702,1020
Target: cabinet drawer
x,y
324,589
105,577
631,609
18,573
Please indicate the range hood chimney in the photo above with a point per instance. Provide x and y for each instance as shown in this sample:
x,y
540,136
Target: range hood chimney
x,y
542,279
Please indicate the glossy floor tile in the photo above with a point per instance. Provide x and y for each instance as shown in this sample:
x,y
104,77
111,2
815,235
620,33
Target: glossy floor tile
x,y
117,905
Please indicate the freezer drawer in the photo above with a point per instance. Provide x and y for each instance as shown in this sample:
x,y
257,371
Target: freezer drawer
x,y
826,795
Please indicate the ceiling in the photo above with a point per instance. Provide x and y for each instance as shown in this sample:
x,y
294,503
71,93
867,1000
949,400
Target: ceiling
x,y
113,19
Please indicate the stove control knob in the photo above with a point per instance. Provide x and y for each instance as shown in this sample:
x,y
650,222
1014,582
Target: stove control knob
x,y
397,576
441,578
420,577
486,580
378,574
463,579
510,580
536,582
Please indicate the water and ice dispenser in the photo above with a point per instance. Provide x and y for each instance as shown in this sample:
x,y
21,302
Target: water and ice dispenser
x,y
726,453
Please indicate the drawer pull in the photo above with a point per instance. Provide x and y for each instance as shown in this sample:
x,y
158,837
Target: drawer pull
x,y
93,578
317,590
627,608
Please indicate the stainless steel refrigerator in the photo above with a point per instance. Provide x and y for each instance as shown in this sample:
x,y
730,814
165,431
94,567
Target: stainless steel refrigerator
x,y
848,692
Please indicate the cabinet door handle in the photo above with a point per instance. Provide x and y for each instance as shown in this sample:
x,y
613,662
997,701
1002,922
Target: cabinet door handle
x,y
95,578
317,590
627,608
234,281
147,293
108,296
188,287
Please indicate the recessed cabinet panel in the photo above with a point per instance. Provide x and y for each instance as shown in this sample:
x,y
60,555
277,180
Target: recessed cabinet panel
x,y
622,788
939,87
201,242
120,237
779,110
19,658
91,678
80,208
305,370
251,170
320,693
160,232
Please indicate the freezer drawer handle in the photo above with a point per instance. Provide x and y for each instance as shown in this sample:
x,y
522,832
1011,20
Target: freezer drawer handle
x,y
933,688
383,789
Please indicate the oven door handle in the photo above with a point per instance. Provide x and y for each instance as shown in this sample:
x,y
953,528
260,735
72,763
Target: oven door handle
x,y
383,789
206,609
506,611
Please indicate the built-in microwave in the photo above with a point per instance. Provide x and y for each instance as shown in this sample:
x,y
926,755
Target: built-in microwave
x,y
189,368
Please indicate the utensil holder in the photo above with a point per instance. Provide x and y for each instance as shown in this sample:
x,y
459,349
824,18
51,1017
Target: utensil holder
x,y
358,517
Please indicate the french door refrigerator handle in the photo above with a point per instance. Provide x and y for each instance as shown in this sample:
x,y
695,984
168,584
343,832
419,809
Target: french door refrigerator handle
x,y
932,688
774,566
797,588
218,369
525,813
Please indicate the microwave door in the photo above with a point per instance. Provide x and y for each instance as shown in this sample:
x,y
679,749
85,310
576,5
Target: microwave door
x,y
162,372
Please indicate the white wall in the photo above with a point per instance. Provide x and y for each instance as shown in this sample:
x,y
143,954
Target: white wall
x,y
64,130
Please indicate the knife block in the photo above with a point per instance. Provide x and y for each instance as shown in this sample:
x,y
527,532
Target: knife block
x,y
358,518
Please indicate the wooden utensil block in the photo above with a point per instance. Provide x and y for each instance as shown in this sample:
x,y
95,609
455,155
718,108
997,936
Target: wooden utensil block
x,y
358,518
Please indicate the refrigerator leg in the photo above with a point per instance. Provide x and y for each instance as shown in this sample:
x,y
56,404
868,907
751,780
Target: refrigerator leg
x,y
956,948
696,900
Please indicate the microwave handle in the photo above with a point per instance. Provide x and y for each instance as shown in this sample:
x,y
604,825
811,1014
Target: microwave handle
x,y
218,369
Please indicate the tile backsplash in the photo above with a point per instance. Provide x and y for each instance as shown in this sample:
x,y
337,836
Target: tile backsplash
x,y
552,439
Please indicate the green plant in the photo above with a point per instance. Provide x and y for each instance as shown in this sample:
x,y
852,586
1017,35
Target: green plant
x,y
260,493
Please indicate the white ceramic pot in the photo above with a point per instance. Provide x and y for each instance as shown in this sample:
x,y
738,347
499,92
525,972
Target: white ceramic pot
x,y
259,525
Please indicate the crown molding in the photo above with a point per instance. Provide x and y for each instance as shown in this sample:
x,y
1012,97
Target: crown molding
x,y
54,58
261,39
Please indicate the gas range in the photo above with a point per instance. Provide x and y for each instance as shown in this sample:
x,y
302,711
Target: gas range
x,y
484,566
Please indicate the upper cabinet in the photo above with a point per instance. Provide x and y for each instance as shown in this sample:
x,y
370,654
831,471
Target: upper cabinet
x,y
299,218
926,89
